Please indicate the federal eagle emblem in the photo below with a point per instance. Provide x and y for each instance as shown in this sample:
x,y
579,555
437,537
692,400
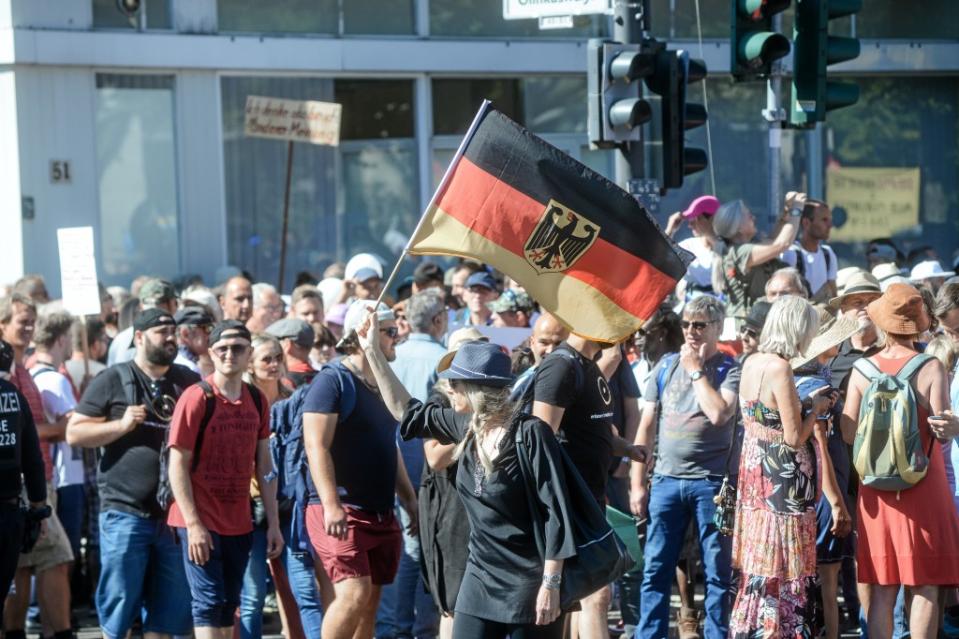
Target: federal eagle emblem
x,y
560,238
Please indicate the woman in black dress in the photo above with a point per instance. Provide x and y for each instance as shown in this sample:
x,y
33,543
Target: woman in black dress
x,y
509,589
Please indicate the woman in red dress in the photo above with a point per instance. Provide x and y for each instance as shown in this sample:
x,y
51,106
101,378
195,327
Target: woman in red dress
x,y
909,537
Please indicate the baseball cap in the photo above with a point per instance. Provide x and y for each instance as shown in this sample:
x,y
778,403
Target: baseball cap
x,y
511,300
156,290
294,329
482,278
427,272
704,205
151,318
227,329
358,311
364,262
193,316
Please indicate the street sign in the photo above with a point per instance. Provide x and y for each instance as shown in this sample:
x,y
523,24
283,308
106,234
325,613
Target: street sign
x,y
526,9
293,120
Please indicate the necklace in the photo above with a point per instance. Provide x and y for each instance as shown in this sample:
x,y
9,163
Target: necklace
x,y
479,472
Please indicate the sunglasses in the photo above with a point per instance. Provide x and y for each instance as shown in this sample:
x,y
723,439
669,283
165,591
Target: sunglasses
x,y
750,333
235,349
392,332
699,326
161,404
272,359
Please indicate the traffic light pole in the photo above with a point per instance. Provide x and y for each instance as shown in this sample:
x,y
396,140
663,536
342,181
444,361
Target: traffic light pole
x,y
775,115
630,25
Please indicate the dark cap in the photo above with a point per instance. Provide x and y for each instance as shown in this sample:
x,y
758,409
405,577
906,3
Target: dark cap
x,y
478,362
227,329
757,315
155,291
482,278
427,272
297,330
151,318
193,316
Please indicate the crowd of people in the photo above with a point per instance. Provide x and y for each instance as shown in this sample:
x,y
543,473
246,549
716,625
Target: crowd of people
x,y
401,469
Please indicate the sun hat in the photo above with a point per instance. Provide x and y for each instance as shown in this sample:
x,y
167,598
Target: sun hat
x,y
832,331
857,284
900,311
883,272
843,275
928,269
703,205
478,362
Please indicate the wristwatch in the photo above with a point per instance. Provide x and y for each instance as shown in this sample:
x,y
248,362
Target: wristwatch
x,y
695,375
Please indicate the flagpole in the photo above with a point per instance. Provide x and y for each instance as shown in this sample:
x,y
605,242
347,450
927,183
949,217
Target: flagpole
x,y
484,107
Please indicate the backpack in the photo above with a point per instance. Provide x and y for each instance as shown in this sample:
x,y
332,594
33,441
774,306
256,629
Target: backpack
x,y
130,384
289,454
671,363
525,385
887,451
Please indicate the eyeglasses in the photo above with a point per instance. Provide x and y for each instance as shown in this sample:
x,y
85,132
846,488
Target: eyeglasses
x,y
750,333
235,349
392,332
272,359
699,326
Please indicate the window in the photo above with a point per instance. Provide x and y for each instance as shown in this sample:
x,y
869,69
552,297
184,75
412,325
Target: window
x,y
360,196
136,163
484,18
357,17
378,17
155,14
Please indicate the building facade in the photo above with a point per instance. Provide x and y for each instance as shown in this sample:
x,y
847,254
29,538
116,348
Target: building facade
x,y
135,127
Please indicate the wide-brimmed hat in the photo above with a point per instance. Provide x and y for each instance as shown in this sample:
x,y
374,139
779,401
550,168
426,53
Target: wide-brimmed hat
x,y
832,332
465,334
857,284
886,271
900,311
478,362
928,269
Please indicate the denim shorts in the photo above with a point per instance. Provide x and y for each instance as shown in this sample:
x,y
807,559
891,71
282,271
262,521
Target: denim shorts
x,y
216,585
140,569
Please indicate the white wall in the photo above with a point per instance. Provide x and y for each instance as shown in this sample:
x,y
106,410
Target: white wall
x,y
50,14
11,248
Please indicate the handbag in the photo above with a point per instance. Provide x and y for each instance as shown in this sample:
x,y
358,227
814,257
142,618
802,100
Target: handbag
x,y
725,499
601,556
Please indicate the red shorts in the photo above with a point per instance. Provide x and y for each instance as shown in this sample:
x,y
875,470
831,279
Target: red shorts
x,y
371,549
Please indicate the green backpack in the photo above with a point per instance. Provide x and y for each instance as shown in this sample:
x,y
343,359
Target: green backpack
x,y
887,452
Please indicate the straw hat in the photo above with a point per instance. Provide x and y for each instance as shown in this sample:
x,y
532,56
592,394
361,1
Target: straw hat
x,y
900,311
832,331
857,284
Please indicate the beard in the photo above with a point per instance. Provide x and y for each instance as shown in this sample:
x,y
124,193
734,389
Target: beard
x,y
162,355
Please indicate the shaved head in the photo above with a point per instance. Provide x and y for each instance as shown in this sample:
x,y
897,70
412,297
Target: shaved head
x,y
548,333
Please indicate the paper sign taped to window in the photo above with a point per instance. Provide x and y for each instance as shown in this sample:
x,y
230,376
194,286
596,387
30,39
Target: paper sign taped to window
x,y
293,120
78,271
880,202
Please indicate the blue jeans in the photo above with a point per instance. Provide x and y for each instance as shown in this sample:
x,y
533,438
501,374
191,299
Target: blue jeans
x,y
301,572
406,608
672,503
141,570
254,589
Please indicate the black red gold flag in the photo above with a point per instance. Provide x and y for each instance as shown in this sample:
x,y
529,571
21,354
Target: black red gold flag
x,y
582,247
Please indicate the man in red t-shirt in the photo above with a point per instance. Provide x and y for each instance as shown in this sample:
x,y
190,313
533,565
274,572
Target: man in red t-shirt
x,y
211,511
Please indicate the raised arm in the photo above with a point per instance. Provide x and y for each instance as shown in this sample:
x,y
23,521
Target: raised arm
x,y
394,394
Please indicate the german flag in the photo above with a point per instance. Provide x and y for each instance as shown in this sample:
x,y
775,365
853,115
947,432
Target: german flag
x,y
581,246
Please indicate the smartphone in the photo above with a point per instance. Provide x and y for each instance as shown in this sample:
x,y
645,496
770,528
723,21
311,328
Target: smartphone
x,y
938,417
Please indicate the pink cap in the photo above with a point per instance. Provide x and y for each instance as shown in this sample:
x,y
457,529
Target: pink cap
x,y
703,205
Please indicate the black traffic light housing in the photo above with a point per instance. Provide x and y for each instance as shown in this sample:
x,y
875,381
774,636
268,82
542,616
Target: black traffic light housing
x,y
616,108
754,46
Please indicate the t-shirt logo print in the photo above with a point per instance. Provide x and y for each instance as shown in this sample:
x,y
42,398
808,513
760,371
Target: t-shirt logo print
x,y
559,239
604,393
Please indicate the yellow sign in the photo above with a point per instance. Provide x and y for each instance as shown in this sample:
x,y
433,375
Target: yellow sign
x,y
880,201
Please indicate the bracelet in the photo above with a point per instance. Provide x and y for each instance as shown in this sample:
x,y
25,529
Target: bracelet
x,y
552,582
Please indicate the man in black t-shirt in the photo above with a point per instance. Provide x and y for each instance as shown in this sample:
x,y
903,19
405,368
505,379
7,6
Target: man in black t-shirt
x,y
572,396
126,412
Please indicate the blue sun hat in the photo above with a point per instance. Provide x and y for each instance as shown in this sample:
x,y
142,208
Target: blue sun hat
x,y
478,362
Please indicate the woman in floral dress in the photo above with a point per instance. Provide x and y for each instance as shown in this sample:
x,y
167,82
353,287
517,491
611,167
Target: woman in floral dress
x,y
774,542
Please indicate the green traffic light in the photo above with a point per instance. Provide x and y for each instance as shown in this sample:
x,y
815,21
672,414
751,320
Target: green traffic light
x,y
754,44
762,47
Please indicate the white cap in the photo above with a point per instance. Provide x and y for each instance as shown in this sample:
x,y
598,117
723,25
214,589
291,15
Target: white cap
x,y
363,261
927,269
892,279
330,290
358,311
884,272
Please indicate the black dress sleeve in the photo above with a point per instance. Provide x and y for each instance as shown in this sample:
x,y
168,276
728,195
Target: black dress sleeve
x,y
31,461
550,481
430,420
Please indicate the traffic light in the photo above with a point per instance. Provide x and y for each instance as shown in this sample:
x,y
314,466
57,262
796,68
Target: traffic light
x,y
674,71
616,106
754,44
813,94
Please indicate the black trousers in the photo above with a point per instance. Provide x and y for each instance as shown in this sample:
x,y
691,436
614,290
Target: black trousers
x,y
469,627
11,540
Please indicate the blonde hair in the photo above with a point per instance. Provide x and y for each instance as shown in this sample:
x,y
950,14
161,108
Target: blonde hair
x,y
791,325
490,407
945,350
